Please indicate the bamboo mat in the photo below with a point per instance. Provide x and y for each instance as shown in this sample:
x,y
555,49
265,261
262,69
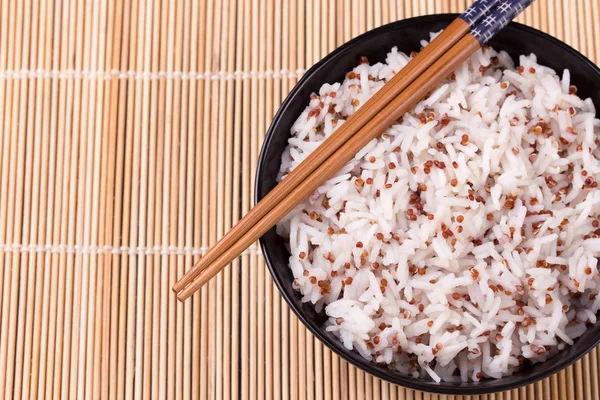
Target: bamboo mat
x,y
129,134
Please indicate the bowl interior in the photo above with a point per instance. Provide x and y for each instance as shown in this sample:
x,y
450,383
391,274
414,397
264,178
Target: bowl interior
x,y
515,39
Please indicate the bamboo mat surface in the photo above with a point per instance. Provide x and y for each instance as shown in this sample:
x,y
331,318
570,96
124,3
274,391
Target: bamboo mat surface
x,y
129,134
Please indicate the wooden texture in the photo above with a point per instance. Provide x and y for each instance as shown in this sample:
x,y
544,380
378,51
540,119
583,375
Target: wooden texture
x,y
115,119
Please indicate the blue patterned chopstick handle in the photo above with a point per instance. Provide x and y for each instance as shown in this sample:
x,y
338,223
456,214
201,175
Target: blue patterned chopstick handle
x,y
478,10
498,18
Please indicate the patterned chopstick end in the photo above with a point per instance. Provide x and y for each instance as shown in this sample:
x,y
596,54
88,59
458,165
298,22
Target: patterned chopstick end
x,y
478,10
497,18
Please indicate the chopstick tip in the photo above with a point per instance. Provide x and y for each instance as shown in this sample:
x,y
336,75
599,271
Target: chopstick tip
x,y
182,296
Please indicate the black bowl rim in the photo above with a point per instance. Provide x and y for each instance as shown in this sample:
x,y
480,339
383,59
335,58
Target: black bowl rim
x,y
362,363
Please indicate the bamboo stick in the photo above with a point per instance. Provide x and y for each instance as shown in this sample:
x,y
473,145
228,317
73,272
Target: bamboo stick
x,y
161,236
170,195
223,278
94,127
120,225
204,368
230,159
215,286
32,197
137,277
110,293
200,307
369,12
594,372
410,394
368,387
387,11
352,383
360,382
409,9
385,390
42,378
377,15
189,63
586,35
155,206
102,342
151,389
326,45
344,381
145,285
235,272
310,32
129,222
177,201
99,344
137,289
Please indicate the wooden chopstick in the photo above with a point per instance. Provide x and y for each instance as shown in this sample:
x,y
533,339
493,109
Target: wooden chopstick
x,y
442,43
422,61
442,68
387,106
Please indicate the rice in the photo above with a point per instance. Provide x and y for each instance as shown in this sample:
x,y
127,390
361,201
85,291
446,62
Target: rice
x,y
464,239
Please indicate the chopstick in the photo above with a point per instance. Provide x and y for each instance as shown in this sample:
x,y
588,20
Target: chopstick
x,y
435,62
442,43
453,33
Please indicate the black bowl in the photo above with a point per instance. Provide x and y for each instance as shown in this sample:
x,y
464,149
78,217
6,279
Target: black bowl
x,y
516,39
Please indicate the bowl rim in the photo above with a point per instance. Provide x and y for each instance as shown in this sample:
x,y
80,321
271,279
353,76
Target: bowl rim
x,y
360,362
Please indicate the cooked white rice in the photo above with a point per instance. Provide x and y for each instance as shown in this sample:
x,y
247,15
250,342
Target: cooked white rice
x,y
464,239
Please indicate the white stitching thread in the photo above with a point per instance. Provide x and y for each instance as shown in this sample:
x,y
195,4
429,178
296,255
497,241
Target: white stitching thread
x,y
192,75
93,249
